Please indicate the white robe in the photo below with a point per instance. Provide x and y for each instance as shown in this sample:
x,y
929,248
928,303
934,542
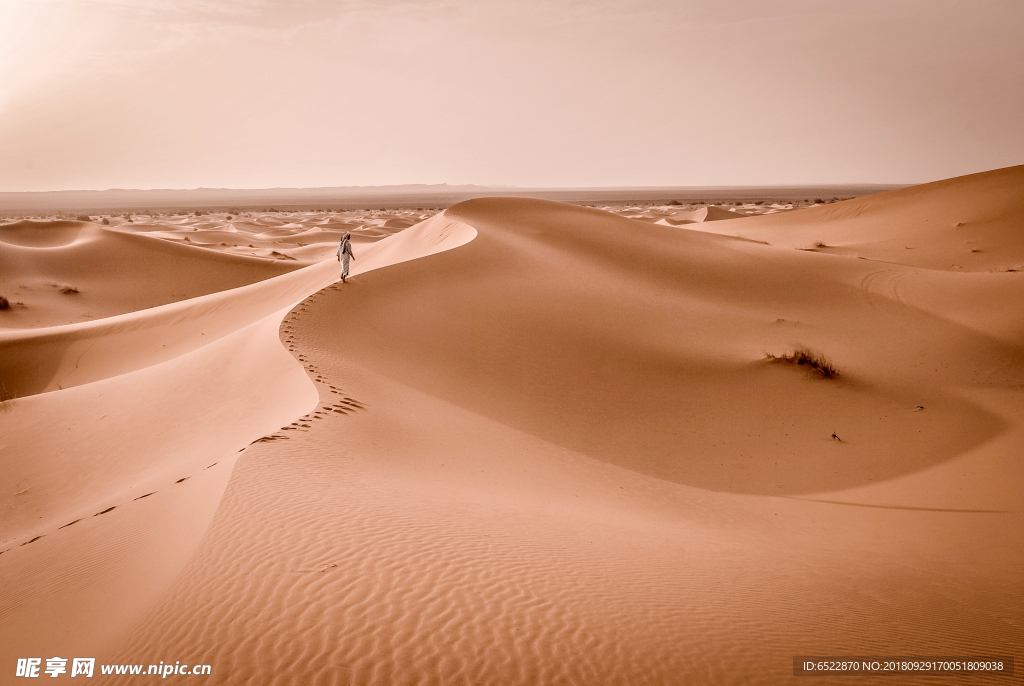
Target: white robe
x,y
344,252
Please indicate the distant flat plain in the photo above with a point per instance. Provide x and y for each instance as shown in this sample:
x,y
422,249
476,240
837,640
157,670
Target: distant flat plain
x,y
402,197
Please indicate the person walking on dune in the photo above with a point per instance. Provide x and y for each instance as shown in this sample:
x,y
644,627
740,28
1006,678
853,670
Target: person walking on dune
x,y
345,254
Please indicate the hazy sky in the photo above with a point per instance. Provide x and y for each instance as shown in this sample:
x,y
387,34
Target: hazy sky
x,y
259,93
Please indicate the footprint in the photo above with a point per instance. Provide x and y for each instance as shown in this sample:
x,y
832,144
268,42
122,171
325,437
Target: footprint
x,y
69,524
184,478
32,541
105,511
141,497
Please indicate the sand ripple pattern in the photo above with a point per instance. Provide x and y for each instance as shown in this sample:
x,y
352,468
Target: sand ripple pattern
x,y
324,566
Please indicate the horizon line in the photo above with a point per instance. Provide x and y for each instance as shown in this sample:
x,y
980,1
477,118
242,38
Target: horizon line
x,y
445,185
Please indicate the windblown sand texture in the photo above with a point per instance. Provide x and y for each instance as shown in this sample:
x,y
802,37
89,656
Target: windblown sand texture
x,y
527,443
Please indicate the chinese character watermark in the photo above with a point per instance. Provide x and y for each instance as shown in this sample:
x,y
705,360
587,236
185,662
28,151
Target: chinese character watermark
x,y
28,667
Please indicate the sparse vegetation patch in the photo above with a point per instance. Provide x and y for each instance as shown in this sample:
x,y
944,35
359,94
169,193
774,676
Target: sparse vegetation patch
x,y
810,358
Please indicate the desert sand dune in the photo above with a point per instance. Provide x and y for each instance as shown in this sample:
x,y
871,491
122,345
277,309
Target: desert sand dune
x,y
73,454
67,272
676,328
139,448
711,213
302,236
971,223
550,449
557,454
37,234
52,358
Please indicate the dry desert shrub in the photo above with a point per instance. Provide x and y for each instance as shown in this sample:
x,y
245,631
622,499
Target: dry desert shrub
x,y
812,359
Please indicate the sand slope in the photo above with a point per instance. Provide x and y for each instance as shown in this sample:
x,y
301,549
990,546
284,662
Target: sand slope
x,y
971,223
557,454
104,272
111,480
